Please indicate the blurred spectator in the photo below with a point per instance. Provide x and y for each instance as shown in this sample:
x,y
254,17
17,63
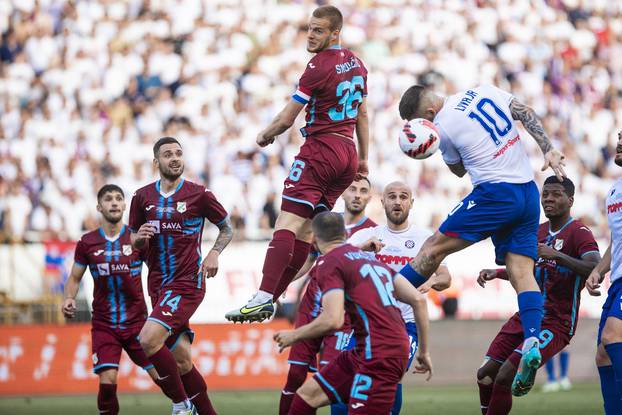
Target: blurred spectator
x,y
87,87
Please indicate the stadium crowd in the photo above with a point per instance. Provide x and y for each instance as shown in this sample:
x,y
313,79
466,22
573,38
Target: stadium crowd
x,y
86,87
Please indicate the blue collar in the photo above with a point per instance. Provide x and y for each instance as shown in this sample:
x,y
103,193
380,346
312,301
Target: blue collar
x,y
560,229
157,185
103,234
338,47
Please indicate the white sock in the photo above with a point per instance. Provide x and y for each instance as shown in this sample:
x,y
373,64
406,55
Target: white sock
x,y
528,344
261,297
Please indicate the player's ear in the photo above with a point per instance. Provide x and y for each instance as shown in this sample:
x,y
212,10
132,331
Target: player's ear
x,y
98,207
571,200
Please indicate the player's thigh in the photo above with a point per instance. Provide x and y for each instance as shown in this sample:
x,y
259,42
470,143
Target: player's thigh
x,y
183,354
612,332
152,336
109,376
439,245
552,341
520,272
506,341
336,377
106,348
506,373
132,347
304,353
602,358
313,394
292,222
374,386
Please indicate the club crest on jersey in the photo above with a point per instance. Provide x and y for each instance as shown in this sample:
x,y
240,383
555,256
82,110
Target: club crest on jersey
x,y
410,244
181,207
95,358
103,269
127,250
559,244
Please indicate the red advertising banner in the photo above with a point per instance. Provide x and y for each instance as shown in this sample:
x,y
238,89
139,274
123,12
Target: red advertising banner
x,y
36,360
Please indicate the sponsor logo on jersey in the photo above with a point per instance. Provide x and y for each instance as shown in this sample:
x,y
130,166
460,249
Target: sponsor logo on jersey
x,y
559,244
181,207
170,226
115,268
507,145
614,207
410,244
103,269
127,250
394,259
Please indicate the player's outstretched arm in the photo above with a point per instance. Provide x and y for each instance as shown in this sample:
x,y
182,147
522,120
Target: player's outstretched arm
x,y
329,320
362,137
552,158
597,275
71,290
209,267
439,281
486,275
406,293
280,123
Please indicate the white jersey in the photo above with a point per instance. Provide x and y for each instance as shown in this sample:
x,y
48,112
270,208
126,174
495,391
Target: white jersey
x,y
477,129
400,247
614,218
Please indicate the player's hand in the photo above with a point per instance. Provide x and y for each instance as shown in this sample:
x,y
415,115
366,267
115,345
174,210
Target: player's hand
x,y
426,286
486,275
593,283
423,364
373,244
209,267
284,339
69,308
546,252
555,160
263,141
145,232
363,170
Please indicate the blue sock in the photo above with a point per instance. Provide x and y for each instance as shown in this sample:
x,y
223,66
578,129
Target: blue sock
x,y
563,364
397,403
338,409
530,310
413,276
550,370
614,350
611,397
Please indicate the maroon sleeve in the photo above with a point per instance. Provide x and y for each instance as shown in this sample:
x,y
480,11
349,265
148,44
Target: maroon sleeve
x,y
211,208
313,78
364,78
330,275
137,214
584,242
79,256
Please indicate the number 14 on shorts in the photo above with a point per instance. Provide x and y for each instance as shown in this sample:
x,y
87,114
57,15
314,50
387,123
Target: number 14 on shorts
x,y
173,303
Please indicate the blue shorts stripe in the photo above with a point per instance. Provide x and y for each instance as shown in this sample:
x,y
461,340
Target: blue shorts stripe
x,y
304,202
96,368
329,387
148,367
166,326
296,362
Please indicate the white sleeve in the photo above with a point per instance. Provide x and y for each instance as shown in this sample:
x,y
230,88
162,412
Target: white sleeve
x,y
504,95
448,150
359,237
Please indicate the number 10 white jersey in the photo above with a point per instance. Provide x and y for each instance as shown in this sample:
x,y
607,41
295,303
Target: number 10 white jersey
x,y
476,127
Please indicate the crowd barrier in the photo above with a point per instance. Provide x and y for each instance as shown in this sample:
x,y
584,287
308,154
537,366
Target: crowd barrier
x,y
41,360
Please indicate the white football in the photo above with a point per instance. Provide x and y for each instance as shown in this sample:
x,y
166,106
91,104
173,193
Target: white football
x,y
419,139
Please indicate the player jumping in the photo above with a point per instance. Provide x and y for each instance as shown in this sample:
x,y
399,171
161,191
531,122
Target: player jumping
x,y
609,352
567,253
479,136
333,88
169,214
119,309
367,376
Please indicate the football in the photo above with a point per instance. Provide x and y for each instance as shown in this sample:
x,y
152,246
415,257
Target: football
x,y
419,139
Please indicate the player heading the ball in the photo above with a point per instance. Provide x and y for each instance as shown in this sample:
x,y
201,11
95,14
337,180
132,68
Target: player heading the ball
x,y
478,135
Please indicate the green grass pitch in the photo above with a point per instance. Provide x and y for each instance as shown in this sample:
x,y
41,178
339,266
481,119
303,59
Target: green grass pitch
x,y
584,399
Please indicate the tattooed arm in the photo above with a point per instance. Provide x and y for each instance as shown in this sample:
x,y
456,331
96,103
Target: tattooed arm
x,y
209,268
552,158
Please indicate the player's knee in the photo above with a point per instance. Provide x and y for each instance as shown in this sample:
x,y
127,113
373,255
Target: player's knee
x,y
505,377
184,364
610,335
602,358
150,342
486,373
108,377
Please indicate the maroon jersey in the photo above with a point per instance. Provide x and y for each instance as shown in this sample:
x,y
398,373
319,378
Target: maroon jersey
x,y
362,224
561,287
175,249
118,300
368,288
333,86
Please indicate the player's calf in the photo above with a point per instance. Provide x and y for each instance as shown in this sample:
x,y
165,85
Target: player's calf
x,y
107,401
486,375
